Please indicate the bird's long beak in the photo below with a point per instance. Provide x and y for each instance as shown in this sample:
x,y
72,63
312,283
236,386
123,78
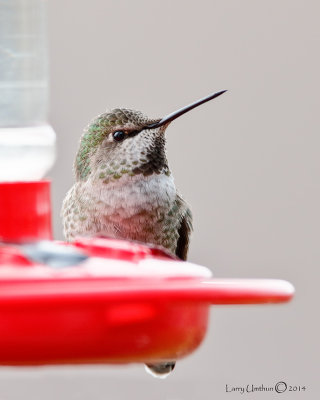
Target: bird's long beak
x,y
183,110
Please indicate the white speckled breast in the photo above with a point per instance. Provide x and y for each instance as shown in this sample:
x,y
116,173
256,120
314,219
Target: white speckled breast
x,y
142,208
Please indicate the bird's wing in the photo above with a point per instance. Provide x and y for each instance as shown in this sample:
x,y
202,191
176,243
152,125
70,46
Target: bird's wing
x,y
184,231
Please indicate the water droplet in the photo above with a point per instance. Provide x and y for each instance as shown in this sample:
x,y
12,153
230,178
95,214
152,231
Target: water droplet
x,y
160,370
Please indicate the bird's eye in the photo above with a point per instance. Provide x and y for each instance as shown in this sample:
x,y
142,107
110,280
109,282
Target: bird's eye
x,y
118,136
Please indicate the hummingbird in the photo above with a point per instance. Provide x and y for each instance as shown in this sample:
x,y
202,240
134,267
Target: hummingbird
x,y
124,188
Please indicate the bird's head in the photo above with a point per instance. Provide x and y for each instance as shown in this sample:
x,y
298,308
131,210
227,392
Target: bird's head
x,y
125,142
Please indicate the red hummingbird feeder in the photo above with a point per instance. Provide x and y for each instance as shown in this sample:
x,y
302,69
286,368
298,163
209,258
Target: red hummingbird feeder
x,y
101,300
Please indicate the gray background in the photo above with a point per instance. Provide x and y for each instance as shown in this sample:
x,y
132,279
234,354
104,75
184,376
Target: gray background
x,y
247,163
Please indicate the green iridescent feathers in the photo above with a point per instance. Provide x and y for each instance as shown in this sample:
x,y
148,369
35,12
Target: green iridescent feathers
x,y
91,138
